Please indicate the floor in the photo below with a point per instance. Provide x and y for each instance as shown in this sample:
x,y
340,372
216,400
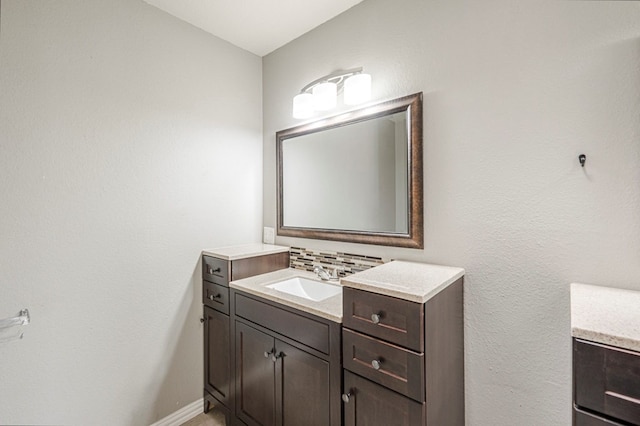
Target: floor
x,y
212,418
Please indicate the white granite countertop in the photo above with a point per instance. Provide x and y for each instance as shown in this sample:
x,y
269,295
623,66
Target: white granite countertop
x,y
606,315
330,308
244,251
417,282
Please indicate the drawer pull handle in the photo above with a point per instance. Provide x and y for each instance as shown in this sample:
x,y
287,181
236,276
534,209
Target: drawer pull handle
x,y
346,397
622,397
376,363
217,296
375,318
213,271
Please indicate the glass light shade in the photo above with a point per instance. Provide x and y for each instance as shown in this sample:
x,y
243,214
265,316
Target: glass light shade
x,y
324,96
357,89
303,105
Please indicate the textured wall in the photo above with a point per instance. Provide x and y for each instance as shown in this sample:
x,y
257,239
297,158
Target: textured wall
x,y
514,91
129,141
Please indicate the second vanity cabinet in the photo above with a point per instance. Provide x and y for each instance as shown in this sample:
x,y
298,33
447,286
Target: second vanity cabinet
x,y
606,356
287,365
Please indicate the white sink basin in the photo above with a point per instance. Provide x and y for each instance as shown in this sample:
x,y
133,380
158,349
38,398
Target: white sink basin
x,y
308,289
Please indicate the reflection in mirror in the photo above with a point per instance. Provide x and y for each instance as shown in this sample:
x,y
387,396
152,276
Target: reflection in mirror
x,y
348,178
355,177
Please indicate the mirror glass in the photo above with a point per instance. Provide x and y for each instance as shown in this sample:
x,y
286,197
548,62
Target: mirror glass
x,y
355,177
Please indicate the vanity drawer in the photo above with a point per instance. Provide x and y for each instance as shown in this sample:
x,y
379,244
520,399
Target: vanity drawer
x,y
215,270
397,368
216,296
581,418
305,330
389,318
607,380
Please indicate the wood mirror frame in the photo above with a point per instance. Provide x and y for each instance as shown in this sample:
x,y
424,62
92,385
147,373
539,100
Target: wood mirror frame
x,y
414,237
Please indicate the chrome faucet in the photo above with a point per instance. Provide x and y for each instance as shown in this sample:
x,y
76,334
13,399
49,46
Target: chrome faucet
x,y
324,275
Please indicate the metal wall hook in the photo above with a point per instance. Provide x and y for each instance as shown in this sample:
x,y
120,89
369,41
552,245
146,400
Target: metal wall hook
x,y
23,318
582,159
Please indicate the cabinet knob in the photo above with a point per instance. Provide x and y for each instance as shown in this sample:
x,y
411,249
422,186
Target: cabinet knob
x,y
268,354
376,364
275,357
346,397
375,318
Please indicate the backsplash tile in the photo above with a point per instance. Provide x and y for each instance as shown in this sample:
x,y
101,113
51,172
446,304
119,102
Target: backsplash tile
x,y
304,259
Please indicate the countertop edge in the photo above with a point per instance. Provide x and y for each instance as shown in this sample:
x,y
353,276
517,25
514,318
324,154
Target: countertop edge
x,y
621,342
246,251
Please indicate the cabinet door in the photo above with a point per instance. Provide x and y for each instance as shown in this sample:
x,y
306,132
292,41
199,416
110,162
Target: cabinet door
x,y
302,381
373,405
255,384
217,366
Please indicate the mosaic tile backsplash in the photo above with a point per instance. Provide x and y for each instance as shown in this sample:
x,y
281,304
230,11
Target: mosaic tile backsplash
x,y
305,259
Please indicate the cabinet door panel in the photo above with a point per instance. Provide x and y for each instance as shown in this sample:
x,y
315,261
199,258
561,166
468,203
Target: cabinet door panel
x,y
255,397
303,383
373,405
217,366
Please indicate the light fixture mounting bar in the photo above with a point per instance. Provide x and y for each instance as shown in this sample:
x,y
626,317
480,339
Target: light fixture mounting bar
x,y
338,75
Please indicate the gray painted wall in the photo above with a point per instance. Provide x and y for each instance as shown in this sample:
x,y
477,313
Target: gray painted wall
x,y
513,92
129,141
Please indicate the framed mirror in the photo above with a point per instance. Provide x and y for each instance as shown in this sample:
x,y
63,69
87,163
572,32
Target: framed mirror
x,y
355,177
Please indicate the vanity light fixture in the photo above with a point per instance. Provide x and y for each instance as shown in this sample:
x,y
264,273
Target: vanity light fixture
x,y
321,94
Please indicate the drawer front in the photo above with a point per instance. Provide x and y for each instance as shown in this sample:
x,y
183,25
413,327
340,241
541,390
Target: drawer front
x,y
216,296
388,318
370,404
581,418
607,380
215,270
307,331
392,366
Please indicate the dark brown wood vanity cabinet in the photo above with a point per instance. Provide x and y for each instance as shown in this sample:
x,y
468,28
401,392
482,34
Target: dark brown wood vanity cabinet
x,y
403,361
606,385
216,274
287,365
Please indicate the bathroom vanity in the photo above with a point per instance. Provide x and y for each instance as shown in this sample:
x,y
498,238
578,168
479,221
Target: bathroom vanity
x,y
606,356
282,355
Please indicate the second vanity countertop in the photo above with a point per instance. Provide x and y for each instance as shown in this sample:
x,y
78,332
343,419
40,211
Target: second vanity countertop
x,y
606,315
330,308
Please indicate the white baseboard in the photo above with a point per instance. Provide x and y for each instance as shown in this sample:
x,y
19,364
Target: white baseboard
x,y
183,415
